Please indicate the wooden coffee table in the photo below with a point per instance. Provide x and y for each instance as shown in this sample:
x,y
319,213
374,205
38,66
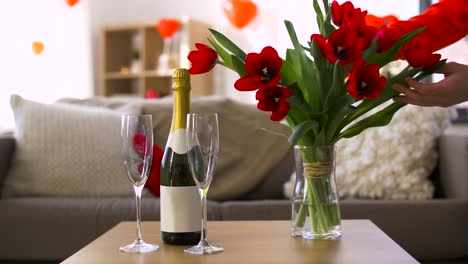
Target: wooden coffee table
x,y
251,242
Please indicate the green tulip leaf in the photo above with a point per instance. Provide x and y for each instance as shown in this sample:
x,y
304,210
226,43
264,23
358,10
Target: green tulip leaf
x,y
389,55
307,78
381,118
225,56
337,85
301,129
317,54
319,16
238,65
288,74
371,50
228,44
292,59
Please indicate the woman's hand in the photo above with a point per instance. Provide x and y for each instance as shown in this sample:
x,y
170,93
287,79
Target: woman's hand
x,y
453,89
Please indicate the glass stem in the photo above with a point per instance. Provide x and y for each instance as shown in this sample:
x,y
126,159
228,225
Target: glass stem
x,y
203,218
138,190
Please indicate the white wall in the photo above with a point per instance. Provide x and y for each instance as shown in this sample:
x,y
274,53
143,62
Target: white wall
x,y
61,70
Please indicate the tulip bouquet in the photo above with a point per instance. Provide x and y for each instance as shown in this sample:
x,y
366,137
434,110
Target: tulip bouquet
x,y
324,89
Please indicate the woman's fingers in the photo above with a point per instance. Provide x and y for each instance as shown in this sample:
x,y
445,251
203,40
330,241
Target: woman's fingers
x,y
451,90
407,91
424,101
408,96
423,88
405,99
411,96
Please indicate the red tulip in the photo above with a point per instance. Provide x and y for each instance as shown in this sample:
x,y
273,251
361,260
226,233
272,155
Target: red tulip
x,y
418,54
355,19
343,45
274,99
365,81
339,11
346,46
388,36
263,70
365,36
203,59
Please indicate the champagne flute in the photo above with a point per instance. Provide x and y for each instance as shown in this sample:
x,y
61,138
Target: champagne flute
x,y
203,146
137,152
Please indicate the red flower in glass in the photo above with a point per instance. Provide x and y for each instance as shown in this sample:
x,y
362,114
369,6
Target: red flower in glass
x,y
203,59
263,70
274,99
139,143
343,45
365,80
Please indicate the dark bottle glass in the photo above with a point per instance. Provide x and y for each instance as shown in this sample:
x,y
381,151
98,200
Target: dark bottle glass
x,y
180,202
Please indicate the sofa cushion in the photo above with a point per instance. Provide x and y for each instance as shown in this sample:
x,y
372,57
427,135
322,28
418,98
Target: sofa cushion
x,y
395,161
254,159
66,150
7,149
271,186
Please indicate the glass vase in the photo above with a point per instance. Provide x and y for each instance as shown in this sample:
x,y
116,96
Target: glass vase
x,y
315,200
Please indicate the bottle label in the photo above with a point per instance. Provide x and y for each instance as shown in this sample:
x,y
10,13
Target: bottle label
x,y
180,209
177,141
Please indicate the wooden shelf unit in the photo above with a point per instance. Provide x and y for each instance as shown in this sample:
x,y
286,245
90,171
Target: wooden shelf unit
x,y
116,54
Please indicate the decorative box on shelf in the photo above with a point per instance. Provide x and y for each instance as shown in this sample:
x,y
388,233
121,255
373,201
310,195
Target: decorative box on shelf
x,y
124,46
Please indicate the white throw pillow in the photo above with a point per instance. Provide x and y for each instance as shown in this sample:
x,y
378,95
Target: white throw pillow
x,y
66,150
395,161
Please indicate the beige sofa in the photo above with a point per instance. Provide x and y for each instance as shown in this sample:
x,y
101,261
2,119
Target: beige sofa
x,y
50,228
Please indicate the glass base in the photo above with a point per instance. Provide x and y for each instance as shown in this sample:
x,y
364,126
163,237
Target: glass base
x,y
202,248
333,234
139,247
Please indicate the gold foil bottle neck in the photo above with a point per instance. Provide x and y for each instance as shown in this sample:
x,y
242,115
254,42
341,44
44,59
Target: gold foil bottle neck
x,y
181,80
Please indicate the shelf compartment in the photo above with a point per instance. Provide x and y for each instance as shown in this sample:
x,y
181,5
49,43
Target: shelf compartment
x,y
162,85
122,86
120,76
119,41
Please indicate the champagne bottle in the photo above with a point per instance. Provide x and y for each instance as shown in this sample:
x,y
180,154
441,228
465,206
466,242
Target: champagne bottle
x,y
180,202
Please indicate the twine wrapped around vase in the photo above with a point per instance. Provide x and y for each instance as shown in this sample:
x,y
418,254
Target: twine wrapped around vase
x,y
316,169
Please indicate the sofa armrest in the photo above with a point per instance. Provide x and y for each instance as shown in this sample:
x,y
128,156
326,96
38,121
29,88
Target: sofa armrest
x,y
453,166
7,148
